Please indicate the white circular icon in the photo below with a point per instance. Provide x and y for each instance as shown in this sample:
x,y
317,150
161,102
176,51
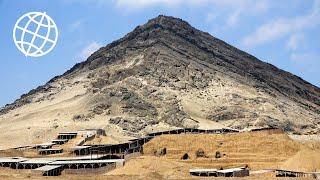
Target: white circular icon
x,y
35,34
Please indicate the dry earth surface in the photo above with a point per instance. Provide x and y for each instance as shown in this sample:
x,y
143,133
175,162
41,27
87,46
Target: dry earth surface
x,y
258,150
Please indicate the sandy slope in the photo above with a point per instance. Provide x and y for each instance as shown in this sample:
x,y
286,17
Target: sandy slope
x,y
304,160
42,121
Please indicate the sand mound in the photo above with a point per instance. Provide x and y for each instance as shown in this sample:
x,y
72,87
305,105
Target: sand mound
x,y
152,167
304,160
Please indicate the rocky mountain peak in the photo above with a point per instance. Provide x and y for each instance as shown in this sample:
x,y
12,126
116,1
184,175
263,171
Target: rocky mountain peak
x,y
167,22
162,28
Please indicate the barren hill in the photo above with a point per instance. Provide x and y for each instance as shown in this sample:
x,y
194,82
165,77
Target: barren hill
x,y
164,74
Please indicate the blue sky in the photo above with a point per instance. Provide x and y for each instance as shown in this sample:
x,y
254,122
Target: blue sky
x,y
285,33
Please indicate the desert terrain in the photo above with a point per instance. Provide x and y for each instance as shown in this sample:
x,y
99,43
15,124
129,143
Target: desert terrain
x,y
260,151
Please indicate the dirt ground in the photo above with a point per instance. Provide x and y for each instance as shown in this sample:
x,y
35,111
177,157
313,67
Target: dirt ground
x,y
258,150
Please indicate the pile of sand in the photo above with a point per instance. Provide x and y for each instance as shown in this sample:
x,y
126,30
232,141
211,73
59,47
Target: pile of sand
x,y
151,167
305,160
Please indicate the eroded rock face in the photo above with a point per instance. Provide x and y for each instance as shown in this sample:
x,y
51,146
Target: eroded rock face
x,y
229,113
132,124
167,71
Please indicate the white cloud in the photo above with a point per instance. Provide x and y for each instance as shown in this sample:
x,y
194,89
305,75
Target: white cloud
x,y
89,49
282,27
232,12
75,25
236,7
210,17
139,4
261,6
246,7
233,18
294,41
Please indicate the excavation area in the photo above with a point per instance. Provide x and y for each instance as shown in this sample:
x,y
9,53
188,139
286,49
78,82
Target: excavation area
x,y
174,154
